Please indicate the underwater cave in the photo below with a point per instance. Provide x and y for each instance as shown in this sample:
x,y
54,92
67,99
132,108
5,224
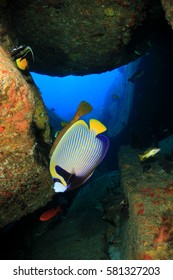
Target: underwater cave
x,y
111,215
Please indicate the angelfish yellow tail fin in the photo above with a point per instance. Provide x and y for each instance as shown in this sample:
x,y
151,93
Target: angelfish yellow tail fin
x,y
83,109
97,126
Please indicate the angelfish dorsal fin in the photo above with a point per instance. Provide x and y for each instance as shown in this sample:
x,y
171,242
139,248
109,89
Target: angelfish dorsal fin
x,y
97,126
83,109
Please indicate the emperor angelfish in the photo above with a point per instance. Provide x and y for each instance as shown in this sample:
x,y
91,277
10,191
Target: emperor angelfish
x,y
19,55
78,152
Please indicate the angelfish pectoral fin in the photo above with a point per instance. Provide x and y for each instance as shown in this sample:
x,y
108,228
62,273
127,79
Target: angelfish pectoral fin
x,y
77,181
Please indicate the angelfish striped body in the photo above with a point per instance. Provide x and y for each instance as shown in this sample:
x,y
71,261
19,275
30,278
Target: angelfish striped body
x,y
78,153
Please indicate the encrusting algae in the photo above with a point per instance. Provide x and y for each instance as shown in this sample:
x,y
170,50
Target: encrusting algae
x,y
24,145
109,12
149,195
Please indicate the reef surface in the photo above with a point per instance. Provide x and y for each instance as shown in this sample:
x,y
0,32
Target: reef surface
x,y
24,145
81,37
148,187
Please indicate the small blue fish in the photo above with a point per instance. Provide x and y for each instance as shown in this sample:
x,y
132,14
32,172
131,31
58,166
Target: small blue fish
x,y
78,153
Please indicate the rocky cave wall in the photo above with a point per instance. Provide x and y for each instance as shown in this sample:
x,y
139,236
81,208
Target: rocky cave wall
x,y
77,37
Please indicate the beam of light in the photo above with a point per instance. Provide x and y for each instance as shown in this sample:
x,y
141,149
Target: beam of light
x,y
64,94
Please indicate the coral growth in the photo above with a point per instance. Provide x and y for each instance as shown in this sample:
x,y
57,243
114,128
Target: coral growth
x,y
24,171
168,7
149,193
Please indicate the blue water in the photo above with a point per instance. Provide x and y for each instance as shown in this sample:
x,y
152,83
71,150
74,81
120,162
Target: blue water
x,y
63,94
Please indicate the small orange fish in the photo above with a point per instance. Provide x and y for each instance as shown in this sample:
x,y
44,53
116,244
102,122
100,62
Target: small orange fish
x,y
49,214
